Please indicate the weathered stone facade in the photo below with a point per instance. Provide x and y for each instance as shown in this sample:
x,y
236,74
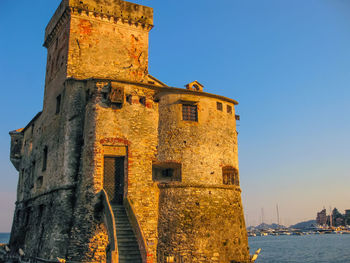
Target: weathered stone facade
x,y
174,151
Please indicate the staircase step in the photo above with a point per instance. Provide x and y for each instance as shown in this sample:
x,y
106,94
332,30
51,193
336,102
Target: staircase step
x,y
126,240
129,257
128,248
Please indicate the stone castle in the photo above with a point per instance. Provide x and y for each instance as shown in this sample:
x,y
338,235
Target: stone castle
x,y
118,166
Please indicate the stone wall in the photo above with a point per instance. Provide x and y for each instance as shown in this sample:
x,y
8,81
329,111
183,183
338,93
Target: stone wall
x,y
202,147
100,101
46,187
202,223
103,48
135,127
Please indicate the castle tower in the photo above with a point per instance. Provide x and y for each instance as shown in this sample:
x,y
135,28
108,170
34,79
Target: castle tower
x,y
120,167
97,39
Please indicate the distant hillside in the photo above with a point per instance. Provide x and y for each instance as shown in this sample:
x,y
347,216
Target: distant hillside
x,y
304,225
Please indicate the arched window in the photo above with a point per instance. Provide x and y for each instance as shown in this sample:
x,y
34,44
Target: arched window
x,y
230,175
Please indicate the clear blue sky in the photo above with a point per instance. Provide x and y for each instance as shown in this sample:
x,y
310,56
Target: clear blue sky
x,y
286,62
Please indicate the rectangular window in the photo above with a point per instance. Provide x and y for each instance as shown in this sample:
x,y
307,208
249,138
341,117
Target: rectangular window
x,y
230,175
129,98
166,172
189,112
143,101
39,181
58,104
229,109
219,106
44,158
33,170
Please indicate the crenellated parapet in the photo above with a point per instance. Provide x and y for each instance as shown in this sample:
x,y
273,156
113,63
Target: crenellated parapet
x,y
117,11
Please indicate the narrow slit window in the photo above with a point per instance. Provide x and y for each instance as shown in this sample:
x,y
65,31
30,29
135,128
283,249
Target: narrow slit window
x,y
58,104
32,174
189,112
45,158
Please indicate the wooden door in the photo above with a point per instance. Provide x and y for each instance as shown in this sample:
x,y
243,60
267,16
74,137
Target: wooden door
x,y
113,180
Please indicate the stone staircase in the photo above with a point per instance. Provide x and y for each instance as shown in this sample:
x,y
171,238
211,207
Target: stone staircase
x,y
127,244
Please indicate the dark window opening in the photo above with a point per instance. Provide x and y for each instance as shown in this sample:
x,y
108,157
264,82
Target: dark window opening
x,y
33,169
32,128
45,158
32,175
229,109
219,106
189,112
87,96
143,101
166,172
129,99
40,212
28,212
39,181
58,104
230,175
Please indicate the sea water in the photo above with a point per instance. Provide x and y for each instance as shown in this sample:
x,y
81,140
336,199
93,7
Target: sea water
x,y
4,238
326,248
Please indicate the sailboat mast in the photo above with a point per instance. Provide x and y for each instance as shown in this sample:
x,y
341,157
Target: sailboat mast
x,y
278,216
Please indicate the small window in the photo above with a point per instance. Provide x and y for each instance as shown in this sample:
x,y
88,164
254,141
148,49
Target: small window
x,y
189,112
33,170
166,171
41,211
58,104
229,109
143,101
219,106
129,99
39,181
44,158
32,175
230,175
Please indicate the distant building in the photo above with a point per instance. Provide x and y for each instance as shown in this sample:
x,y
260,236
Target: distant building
x,y
321,218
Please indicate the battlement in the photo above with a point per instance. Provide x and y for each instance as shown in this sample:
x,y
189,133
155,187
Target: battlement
x,y
116,9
